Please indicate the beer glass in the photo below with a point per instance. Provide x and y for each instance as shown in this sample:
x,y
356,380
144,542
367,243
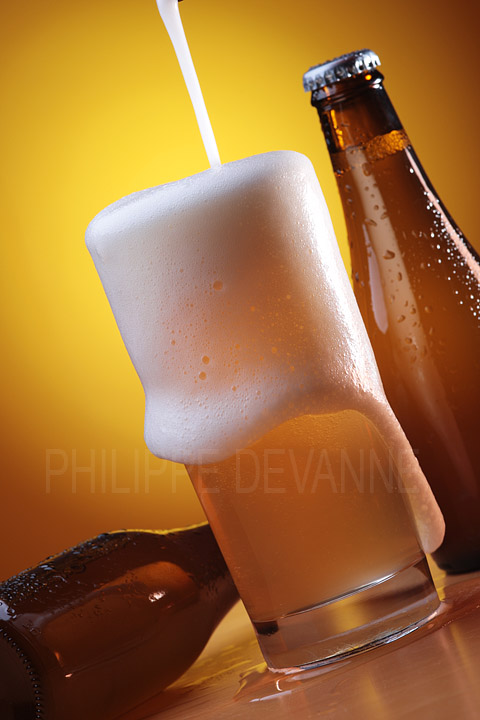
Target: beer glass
x,y
230,294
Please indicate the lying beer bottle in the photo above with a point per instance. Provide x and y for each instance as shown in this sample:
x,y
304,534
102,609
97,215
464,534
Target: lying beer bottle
x,y
417,283
98,629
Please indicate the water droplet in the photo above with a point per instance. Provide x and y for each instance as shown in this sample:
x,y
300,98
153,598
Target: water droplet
x,y
172,342
428,309
205,359
218,285
274,350
369,221
399,276
202,375
401,318
408,340
234,387
388,255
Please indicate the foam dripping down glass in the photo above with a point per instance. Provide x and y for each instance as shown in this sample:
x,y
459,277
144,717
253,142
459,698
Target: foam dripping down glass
x,y
231,297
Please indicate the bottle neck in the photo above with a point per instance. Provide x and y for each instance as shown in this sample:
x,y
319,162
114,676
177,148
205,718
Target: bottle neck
x,y
355,111
199,553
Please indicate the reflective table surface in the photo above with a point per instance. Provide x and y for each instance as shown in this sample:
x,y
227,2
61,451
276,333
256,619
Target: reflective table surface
x,y
433,673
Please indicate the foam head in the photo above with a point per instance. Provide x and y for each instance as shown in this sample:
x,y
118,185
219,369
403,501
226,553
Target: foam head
x,y
221,285
231,297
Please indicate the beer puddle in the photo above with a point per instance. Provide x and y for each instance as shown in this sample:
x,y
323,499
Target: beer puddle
x,y
316,686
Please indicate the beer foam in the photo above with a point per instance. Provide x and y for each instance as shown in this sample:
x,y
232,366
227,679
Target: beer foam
x,y
230,294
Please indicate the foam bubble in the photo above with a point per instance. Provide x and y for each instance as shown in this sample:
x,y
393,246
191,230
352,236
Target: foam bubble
x,y
242,265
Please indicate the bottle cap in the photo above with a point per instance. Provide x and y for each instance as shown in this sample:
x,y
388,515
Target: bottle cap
x,y
340,68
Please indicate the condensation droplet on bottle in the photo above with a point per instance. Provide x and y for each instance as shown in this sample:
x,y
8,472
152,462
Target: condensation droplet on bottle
x,y
428,309
401,318
218,285
366,169
399,276
388,255
408,340
369,221
205,359
202,375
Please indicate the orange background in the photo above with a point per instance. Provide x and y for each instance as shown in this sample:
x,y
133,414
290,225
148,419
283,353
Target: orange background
x,y
95,108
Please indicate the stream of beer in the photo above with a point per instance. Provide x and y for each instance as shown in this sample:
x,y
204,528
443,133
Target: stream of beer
x,y
171,17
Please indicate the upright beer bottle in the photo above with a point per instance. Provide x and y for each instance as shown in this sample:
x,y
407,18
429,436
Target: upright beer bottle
x,y
417,283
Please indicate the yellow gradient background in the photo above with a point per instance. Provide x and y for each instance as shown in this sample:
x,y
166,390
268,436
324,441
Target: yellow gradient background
x,y
94,108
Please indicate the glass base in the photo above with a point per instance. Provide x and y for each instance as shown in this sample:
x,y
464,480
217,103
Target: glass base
x,y
376,614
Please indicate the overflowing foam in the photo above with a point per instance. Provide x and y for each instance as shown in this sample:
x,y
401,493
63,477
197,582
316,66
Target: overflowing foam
x,y
230,294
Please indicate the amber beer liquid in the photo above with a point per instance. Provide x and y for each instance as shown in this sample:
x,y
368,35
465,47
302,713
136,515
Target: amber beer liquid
x,y
317,491
417,283
331,482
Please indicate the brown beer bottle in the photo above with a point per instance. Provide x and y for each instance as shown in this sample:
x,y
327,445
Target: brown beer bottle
x,y
417,283
93,632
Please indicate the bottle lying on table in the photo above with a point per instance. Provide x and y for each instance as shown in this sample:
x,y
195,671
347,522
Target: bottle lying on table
x,y
94,631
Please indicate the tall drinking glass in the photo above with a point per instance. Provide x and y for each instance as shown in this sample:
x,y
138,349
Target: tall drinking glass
x,y
230,294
